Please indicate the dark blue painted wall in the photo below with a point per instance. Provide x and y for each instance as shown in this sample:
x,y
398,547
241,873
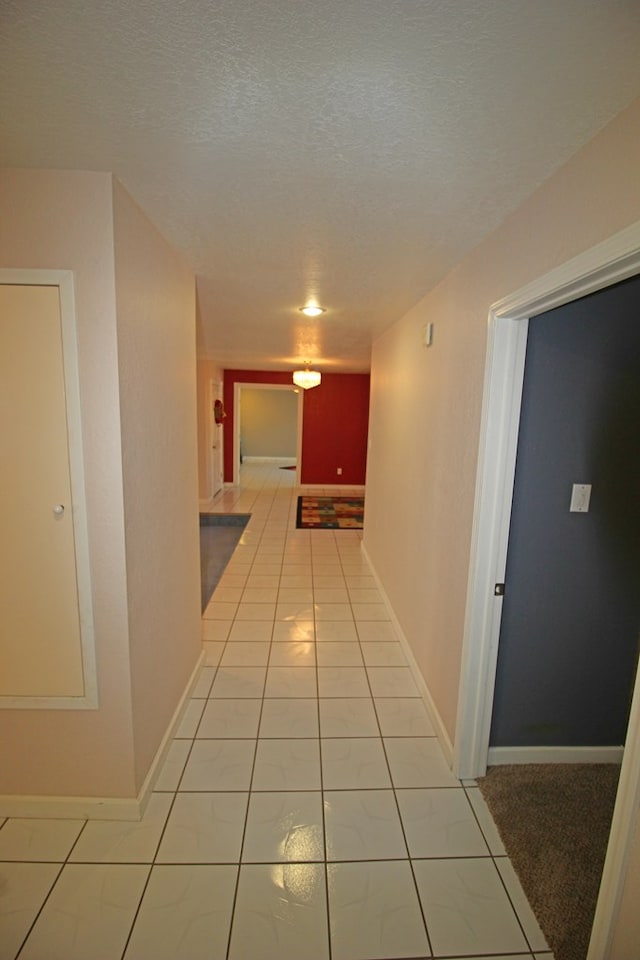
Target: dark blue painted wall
x,y
571,611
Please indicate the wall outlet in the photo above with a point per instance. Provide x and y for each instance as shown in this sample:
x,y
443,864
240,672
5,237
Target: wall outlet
x,y
339,471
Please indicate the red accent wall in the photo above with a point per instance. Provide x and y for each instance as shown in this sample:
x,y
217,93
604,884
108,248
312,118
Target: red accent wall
x,y
335,428
335,424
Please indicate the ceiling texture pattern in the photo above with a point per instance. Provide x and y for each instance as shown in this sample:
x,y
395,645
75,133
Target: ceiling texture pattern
x,y
350,151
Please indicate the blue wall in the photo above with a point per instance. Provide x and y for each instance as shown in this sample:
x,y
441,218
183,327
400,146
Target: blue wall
x,y
571,611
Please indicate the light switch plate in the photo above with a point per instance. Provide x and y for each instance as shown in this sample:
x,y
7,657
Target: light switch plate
x,y
580,497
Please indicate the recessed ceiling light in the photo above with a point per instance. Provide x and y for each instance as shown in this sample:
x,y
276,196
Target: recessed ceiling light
x,y
312,310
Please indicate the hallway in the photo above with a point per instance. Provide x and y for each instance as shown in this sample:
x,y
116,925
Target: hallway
x,y
305,809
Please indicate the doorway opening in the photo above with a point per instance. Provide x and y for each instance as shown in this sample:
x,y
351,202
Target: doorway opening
x,y
272,413
604,265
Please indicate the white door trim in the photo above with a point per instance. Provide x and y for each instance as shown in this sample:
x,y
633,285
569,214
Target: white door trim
x,y
215,439
237,389
616,259
623,826
63,280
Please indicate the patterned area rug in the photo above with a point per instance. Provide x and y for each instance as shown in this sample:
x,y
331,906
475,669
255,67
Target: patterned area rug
x,y
331,513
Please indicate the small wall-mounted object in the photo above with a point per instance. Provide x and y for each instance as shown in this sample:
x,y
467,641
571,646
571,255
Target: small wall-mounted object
x,y
427,335
580,497
218,411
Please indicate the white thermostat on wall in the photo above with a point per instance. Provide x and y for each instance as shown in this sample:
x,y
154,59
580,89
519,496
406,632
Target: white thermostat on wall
x,y
580,497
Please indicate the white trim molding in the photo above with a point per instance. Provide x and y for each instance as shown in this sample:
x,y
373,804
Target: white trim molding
x,y
623,826
425,693
63,280
269,459
343,486
238,386
499,756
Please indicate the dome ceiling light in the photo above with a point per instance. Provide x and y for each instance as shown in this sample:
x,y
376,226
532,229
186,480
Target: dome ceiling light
x,y
307,378
312,310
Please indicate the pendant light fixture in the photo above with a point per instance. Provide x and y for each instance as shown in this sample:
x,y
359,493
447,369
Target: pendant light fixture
x,y
307,378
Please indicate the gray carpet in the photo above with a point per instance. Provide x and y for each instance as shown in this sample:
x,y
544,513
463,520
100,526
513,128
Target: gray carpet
x,y
219,535
554,820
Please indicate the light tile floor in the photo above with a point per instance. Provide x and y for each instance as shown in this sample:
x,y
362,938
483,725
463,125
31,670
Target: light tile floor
x,y
305,809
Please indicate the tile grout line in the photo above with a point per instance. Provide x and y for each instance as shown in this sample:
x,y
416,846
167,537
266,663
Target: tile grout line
x,y
263,533
322,792
409,859
400,820
42,906
234,903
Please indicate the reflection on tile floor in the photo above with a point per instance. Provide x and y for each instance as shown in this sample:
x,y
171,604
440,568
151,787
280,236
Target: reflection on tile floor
x,y
305,808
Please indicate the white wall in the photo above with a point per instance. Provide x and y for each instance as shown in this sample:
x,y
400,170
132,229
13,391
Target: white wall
x,y
155,306
136,354
61,220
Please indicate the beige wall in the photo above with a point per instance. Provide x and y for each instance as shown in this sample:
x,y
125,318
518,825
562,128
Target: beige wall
x,y
59,220
136,351
269,422
155,307
426,403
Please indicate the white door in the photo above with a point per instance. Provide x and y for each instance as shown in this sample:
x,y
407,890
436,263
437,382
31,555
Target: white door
x,y
40,639
216,435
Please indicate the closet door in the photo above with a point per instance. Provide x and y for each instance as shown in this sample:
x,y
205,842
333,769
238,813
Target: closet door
x,y
40,636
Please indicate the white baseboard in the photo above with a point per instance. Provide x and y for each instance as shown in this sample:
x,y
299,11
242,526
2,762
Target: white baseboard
x,y
101,808
425,693
498,756
154,770
246,459
343,486
70,808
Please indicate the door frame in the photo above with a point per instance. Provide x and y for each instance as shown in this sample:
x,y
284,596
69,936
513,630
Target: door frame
x,y
216,440
63,280
237,391
609,262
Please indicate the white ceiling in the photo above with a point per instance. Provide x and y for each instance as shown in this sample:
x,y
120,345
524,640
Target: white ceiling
x,y
351,150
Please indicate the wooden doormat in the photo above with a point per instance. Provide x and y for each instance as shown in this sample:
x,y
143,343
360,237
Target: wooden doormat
x,y
331,513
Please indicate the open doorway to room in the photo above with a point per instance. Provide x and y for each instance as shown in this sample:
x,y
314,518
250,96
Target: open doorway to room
x,y
610,262
568,641
268,426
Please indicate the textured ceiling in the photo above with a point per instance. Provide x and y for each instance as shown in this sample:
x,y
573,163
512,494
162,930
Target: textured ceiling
x,y
348,150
